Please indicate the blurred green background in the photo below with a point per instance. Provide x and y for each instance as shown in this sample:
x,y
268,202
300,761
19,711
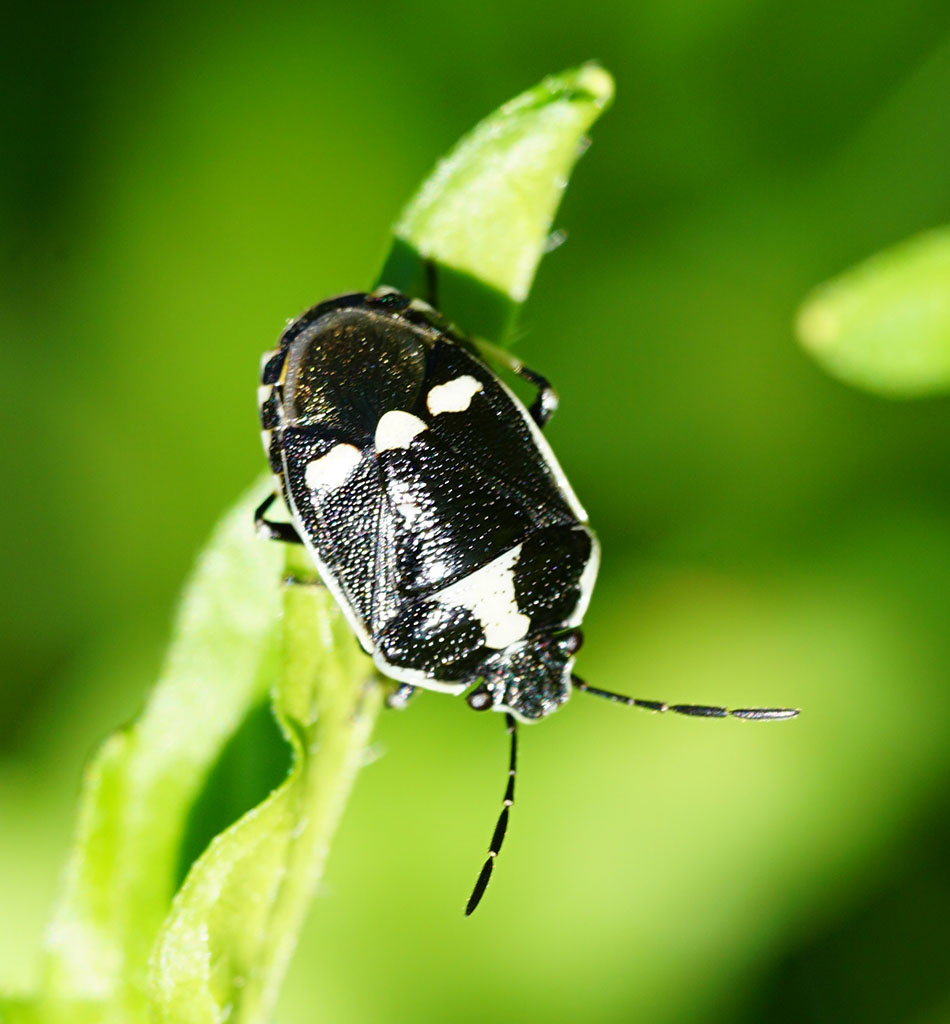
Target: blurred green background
x,y
177,181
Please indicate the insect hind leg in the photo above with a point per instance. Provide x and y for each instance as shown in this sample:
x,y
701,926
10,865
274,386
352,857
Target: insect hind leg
x,y
400,697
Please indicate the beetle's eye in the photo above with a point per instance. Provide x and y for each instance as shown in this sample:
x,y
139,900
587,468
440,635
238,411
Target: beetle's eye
x,y
571,642
388,299
480,699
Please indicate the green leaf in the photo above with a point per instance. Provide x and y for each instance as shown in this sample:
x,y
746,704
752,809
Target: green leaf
x,y
224,949
123,947
139,788
483,217
885,324
19,1011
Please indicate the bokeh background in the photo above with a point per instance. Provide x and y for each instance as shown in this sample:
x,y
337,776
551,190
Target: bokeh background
x,y
179,179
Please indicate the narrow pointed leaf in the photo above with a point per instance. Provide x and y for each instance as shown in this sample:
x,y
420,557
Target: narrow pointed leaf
x,y
138,789
226,944
483,217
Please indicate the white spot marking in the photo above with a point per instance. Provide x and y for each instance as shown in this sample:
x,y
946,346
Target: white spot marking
x,y
489,594
454,396
397,429
332,469
263,393
265,440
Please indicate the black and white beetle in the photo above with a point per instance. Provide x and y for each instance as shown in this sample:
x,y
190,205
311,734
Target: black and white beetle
x,y
435,511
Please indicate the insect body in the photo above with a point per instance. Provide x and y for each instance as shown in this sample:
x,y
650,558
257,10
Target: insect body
x,y
434,510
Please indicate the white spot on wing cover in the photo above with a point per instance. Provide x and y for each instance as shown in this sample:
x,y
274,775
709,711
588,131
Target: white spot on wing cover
x,y
489,594
397,429
331,470
453,396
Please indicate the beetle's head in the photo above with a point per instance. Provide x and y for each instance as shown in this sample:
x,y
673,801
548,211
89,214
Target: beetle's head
x,y
530,679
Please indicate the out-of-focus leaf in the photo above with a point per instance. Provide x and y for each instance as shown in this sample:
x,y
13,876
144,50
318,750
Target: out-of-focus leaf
x,y
138,790
482,218
19,1011
885,324
224,949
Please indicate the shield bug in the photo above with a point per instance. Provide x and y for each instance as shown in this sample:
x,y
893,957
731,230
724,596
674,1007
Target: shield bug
x,y
435,511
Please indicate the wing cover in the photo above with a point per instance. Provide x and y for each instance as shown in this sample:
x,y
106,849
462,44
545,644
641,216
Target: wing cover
x,y
408,522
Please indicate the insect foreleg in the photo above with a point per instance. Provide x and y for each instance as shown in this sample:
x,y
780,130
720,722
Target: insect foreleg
x,y
270,530
401,696
546,401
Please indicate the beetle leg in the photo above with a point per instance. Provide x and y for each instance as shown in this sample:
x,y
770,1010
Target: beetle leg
x,y
545,403
270,530
400,697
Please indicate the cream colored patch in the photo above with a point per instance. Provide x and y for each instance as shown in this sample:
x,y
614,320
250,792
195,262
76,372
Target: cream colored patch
x,y
332,470
489,594
397,429
453,396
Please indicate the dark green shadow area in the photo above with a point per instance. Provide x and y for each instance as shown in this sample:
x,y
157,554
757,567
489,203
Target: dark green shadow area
x,y
883,961
475,306
253,763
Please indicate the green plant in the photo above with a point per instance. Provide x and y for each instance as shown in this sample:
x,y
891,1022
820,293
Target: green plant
x,y
885,325
127,943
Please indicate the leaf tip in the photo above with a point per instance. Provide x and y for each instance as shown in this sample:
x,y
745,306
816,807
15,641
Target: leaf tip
x,y
884,324
597,82
816,324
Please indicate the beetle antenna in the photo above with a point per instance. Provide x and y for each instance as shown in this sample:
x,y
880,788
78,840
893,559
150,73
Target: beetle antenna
x,y
696,710
498,836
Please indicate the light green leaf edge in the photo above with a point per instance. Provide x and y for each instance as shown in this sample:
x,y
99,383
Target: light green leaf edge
x,y
223,948
139,788
884,325
482,220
